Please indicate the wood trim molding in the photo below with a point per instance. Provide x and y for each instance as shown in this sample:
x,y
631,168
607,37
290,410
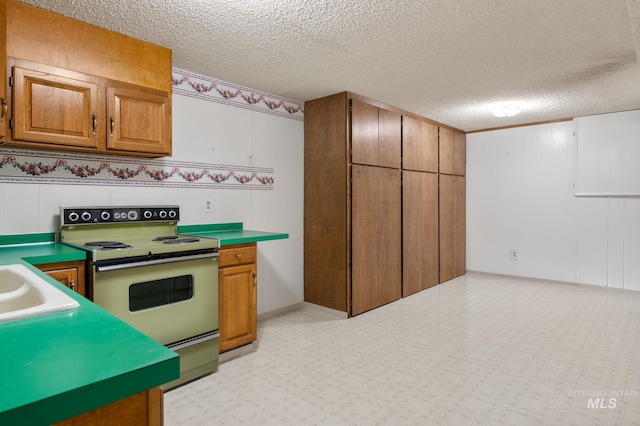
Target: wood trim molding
x,y
560,120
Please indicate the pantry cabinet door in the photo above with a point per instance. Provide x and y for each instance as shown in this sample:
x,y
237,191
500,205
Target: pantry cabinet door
x,y
420,231
376,238
452,227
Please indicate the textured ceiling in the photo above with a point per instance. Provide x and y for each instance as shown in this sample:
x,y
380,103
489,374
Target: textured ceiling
x,y
443,59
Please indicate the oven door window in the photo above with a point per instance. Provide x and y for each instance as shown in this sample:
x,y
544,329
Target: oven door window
x,y
165,291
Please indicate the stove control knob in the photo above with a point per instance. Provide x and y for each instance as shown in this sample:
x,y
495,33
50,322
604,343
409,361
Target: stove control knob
x,y
147,214
163,214
172,214
105,215
73,216
86,216
132,215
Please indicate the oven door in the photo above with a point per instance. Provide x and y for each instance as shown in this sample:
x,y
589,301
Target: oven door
x,y
169,302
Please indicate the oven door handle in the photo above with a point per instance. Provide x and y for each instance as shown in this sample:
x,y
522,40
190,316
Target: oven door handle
x,y
106,268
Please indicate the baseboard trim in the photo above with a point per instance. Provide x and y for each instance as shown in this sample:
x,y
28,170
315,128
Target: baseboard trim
x,y
281,311
552,281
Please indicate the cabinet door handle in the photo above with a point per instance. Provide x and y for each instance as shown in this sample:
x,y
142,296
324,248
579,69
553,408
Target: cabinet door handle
x,y
94,122
72,284
255,279
112,124
5,108
238,256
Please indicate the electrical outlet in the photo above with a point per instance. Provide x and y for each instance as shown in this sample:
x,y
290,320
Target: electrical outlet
x,y
513,254
208,206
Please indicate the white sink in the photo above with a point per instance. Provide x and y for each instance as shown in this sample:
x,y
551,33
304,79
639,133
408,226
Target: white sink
x,y
24,294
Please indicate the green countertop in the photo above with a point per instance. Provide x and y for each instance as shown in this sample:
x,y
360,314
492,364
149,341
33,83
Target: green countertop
x,y
60,365
230,233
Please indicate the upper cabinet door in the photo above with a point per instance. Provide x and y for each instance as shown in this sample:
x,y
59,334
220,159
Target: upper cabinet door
x,y
419,145
453,150
56,106
138,120
364,133
429,147
375,135
389,138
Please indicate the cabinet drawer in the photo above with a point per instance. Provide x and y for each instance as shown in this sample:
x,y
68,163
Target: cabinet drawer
x,y
237,255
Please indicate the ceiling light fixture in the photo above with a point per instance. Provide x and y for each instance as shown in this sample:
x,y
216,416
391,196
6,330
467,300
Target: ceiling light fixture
x,y
507,110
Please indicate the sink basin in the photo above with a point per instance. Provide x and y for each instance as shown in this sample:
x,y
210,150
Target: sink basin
x,y
24,294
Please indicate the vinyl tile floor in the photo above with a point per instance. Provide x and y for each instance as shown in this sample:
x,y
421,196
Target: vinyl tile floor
x,y
479,349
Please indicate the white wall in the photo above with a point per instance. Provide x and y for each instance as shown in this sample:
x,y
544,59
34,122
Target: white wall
x,y
520,186
210,132
203,132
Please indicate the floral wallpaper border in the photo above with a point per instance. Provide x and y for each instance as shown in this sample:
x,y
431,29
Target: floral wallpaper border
x,y
198,86
20,166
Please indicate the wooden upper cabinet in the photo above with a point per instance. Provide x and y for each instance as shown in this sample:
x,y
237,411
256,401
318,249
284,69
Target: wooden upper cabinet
x,y
375,135
419,145
4,105
453,148
61,109
460,153
138,121
55,106
364,133
78,87
389,138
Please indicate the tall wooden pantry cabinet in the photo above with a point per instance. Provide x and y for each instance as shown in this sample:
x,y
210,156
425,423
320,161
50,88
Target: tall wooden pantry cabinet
x,y
371,203
352,207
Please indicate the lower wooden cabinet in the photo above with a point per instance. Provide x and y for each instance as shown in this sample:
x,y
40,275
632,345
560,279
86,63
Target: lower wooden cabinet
x,y
71,274
237,295
452,227
419,231
145,408
376,271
